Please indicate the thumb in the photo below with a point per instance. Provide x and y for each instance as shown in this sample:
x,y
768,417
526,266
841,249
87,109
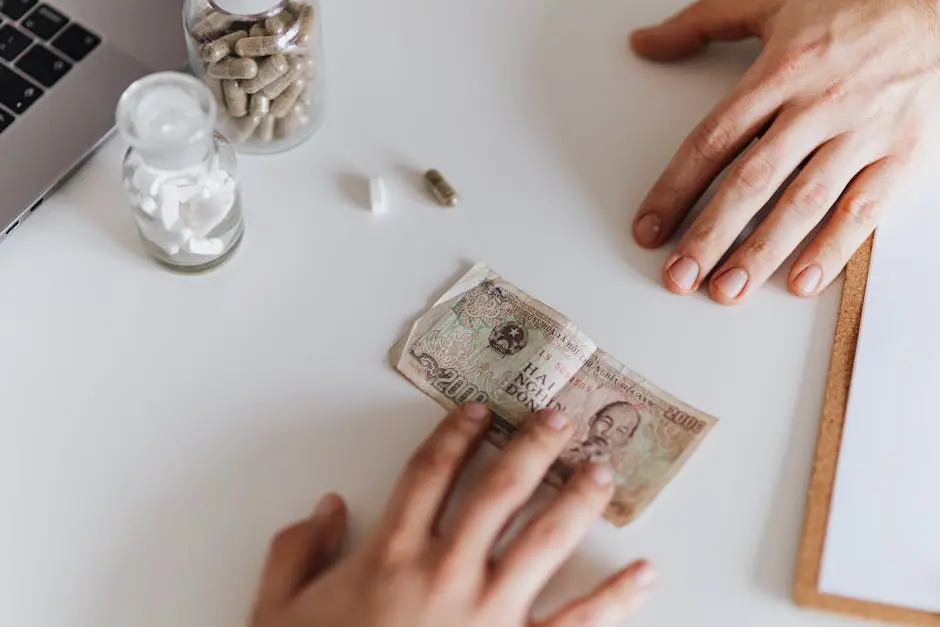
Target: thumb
x,y
301,552
691,30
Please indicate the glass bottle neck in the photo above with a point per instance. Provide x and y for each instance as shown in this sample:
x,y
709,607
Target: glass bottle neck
x,y
168,119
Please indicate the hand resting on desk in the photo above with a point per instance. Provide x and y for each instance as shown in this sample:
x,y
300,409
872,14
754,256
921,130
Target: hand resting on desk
x,y
410,573
849,88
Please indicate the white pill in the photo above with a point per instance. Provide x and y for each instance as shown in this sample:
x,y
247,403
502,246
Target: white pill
x,y
199,246
147,203
147,181
169,206
378,196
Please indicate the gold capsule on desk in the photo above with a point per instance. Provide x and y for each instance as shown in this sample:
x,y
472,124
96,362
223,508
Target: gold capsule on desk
x,y
269,71
259,46
234,69
440,188
236,100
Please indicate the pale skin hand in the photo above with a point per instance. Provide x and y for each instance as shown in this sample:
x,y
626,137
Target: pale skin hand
x,y
410,574
848,88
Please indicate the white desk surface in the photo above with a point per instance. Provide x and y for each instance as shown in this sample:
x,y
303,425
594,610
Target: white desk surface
x,y
156,429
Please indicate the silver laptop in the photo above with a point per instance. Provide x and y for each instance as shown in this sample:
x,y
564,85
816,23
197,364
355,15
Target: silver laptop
x,y
63,66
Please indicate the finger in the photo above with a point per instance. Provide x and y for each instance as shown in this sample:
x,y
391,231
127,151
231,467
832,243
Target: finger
x,y
802,207
692,29
613,601
509,484
750,184
548,540
301,552
854,219
708,150
422,490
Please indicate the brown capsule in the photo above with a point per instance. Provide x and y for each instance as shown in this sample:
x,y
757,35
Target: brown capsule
x,y
257,30
265,132
215,51
213,24
283,103
277,87
305,23
296,119
234,69
260,104
215,86
304,64
278,24
236,100
243,128
269,71
440,188
259,46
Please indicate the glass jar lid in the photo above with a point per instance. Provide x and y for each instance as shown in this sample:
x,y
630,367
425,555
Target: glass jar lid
x,y
248,8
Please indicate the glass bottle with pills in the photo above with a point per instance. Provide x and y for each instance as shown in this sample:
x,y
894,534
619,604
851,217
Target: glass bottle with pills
x,y
180,176
263,62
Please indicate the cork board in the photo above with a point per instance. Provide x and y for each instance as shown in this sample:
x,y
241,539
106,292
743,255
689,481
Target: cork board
x,y
806,584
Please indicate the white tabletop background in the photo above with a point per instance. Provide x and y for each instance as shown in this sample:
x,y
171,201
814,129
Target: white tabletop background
x,y
156,429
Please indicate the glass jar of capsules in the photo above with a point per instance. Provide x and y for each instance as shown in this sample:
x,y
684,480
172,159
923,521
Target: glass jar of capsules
x,y
263,62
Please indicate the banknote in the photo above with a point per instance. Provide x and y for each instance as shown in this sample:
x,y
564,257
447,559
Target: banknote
x,y
486,340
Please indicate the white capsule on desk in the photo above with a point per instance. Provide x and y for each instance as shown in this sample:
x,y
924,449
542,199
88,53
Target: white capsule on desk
x,y
378,196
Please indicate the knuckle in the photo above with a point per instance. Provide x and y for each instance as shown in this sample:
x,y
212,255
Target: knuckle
x,y
703,234
501,481
795,59
811,199
830,249
860,209
549,536
393,551
835,92
711,139
753,173
761,250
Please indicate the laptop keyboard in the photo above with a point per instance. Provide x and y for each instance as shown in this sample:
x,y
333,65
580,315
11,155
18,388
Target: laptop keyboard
x,y
38,46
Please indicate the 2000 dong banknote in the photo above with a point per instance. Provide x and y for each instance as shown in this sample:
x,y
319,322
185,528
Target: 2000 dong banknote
x,y
486,340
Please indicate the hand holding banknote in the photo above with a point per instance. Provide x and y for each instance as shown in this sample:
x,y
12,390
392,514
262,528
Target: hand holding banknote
x,y
413,573
486,340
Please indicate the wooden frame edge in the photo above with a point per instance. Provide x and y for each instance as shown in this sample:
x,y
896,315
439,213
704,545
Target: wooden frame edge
x,y
825,463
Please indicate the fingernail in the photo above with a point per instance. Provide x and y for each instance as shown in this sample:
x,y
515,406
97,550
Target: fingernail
x,y
809,279
601,475
684,272
648,229
326,506
732,282
645,574
476,411
553,419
